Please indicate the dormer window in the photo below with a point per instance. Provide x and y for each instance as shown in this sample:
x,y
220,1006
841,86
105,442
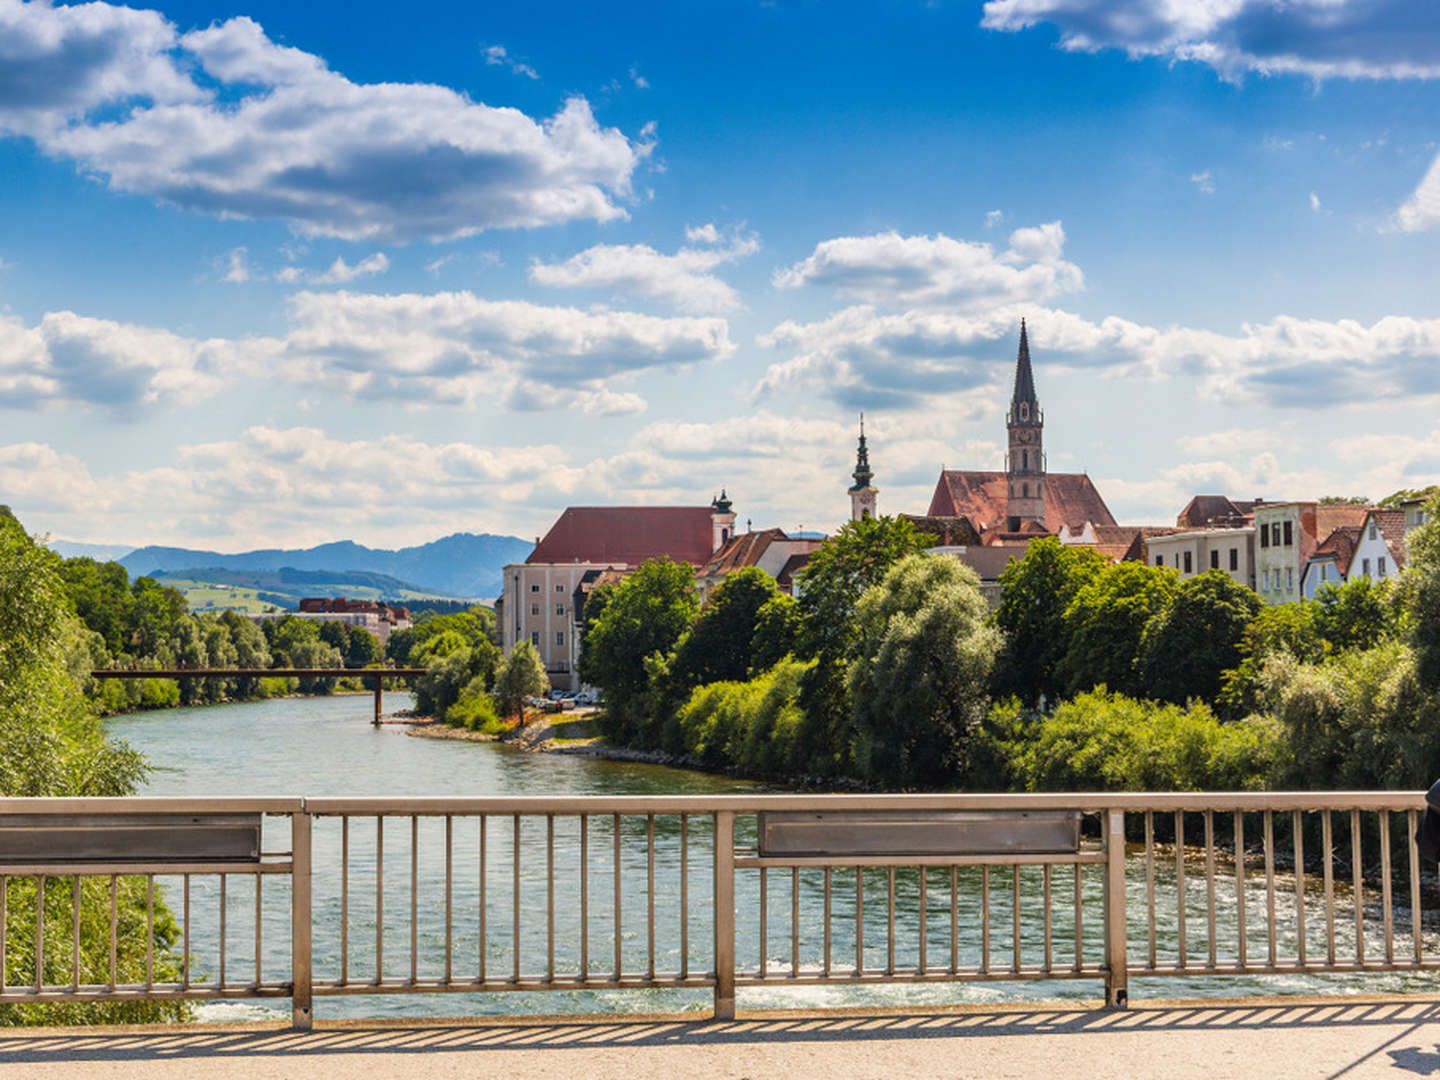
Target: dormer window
x,y
1024,410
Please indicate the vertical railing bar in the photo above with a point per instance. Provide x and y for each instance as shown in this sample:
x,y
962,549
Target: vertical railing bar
x,y
484,878
1117,962
924,917
724,899
1046,889
859,920
826,964
1210,885
1413,852
150,930
954,920
1079,921
764,928
259,922
1015,918
1240,886
890,922
39,933
449,898
794,921
550,898
224,905
650,897
115,930
5,933
684,895
984,918
1357,881
75,935
379,899
515,898
344,899
1150,884
1180,891
1297,825
619,959
302,922
414,899
1385,906
1270,928
585,900
1328,841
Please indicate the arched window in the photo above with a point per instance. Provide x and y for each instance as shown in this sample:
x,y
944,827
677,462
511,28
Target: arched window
x,y
1024,491
1024,410
1025,460
865,513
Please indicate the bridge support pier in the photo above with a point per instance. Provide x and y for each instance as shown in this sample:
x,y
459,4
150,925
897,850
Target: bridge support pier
x,y
377,700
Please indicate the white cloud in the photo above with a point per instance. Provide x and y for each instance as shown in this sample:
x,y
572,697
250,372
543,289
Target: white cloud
x,y
1422,210
907,361
641,83
888,268
337,273
1204,181
107,87
237,267
703,234
682,280
993,218
496,56
1314,202
1319,39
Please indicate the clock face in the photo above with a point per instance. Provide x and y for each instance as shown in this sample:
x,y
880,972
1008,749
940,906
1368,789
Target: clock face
x,y
1026,436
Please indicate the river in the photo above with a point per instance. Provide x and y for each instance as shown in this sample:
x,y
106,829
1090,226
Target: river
x,y
326,746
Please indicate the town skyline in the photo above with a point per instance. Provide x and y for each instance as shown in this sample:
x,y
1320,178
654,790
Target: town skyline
x,y
604,270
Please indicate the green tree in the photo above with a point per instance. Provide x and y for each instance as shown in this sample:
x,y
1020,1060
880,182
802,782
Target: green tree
x,y
1359,614
100,593
719,646
646,615
1035,592
1192,641
1107,619
922,662
1423,592
521,675
777,633
1276,630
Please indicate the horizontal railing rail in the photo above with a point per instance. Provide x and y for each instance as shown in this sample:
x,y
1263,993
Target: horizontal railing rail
x,y
435,894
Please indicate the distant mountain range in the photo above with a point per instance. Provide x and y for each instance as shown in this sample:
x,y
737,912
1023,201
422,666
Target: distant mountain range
x,y
463,564
73,549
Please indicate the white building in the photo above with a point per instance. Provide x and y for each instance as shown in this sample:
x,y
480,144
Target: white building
x,y
1194,551
1380,549
1286,535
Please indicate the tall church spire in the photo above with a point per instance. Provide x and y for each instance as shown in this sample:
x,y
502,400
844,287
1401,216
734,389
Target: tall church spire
x,y
1024,383
862,492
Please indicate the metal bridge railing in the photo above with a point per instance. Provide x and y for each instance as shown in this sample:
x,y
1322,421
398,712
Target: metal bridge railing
x,y
474,895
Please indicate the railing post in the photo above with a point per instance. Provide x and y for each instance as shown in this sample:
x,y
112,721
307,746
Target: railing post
x,y
1116,965
300,915
724,915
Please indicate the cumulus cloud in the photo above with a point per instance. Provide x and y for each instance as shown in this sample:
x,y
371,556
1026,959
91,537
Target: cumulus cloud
x,y
1204,182
497,56
237,267
440,349
337,273
682,280
1422,210
905,360
1319,39
888,268
113,89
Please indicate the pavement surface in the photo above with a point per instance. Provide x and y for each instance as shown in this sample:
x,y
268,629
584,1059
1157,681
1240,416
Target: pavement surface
x,y
1323,1038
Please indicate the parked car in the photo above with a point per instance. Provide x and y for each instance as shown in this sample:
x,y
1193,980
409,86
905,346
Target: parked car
x,y
587,697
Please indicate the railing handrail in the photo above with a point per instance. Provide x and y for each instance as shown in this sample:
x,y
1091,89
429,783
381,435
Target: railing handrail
x,y
1193,801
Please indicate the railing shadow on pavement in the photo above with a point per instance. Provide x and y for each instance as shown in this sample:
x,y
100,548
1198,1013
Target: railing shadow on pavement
x,y
671,1030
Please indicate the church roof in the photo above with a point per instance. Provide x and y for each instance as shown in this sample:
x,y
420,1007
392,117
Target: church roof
x,y
627,535
744,549
1070,499
1024,377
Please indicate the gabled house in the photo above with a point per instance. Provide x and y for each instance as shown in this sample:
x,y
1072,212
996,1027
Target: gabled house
x,y
1329,564
1380,549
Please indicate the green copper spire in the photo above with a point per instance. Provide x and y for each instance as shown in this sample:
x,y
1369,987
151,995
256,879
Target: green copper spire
x,y
862,472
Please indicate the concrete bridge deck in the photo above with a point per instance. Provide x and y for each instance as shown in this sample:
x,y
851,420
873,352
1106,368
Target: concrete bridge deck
x,y
1302,1038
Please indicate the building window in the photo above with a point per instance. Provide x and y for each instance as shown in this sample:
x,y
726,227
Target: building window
x,y
559,588
1234,558
1264,536
1215,560
1372,528
534,588
1025,460
559,637
534,609
1188,564
1380,566
1159,560
1289,578
1024,410
559,609
535,638
1289,534
1365,567
1265,579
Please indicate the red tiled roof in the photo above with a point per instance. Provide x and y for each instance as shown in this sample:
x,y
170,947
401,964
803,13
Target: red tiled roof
x,y
1340,544
1070,499
792,567
947,531
1204,510
627,534
1392,527
743,550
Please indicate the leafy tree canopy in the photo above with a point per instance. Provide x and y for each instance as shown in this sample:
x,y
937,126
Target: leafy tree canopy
x,y
719,646
1189,644
1107,619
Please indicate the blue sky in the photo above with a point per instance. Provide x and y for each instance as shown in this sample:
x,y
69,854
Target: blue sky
x,y
279,274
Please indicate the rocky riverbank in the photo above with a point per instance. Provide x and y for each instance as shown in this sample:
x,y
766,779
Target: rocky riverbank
x,y
555,733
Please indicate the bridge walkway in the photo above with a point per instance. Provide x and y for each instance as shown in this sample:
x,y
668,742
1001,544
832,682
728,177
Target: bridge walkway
x,y
1250,1038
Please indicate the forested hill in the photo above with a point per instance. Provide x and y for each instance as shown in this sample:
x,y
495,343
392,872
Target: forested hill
x,y
463,564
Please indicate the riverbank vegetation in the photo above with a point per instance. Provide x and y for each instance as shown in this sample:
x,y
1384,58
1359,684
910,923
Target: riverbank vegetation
x,y
1089,675
52,744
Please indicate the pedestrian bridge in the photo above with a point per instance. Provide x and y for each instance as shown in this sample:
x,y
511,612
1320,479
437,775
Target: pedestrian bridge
x,y
375,675
307,898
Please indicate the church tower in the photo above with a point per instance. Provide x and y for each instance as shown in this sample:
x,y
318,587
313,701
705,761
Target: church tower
x,y
862,494
1025,461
